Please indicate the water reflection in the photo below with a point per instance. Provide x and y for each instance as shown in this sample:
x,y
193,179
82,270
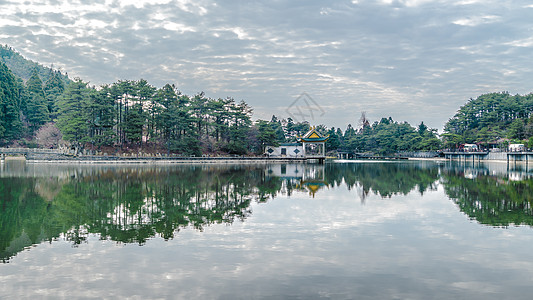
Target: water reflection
x,y
128,205
495,194
131,204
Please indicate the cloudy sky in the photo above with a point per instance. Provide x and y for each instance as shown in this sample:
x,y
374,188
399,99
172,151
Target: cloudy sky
x,y
414,60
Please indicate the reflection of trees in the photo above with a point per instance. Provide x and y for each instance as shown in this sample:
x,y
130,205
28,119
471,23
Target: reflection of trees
x,y
22,213
132,205
128,205
385,179
491,200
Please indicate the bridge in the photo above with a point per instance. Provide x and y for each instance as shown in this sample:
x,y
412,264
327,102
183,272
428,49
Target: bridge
x,y
28,152
486,155
480,155
24,151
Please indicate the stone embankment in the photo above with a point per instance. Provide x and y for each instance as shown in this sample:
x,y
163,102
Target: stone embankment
x,y
87,156
58,157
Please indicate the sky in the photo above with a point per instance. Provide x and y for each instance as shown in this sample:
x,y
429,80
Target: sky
x,y
324,62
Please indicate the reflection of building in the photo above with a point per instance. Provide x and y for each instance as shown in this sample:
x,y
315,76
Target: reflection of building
x,y
308,177
313,179
471,173
286,170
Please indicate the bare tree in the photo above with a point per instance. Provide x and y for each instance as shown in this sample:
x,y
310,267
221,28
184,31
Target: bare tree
x,y
363,121
48,136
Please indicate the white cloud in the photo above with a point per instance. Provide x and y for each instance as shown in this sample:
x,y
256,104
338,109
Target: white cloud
x,y
390,55
181,28
478,20
526,42
142,3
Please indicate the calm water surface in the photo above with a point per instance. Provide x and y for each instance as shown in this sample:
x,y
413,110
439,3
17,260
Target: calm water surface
x,y
355,230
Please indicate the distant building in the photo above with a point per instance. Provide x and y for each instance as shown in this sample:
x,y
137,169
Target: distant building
x,y
517,147
311,145
285,150
314,144
470,148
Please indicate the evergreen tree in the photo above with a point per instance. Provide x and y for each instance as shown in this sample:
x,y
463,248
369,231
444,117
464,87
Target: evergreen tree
x,y
10,124
101,113
123,92
278,129
73,108
134,124
238,130
166,108
387,137
489,118
333,142
266,134
36,106
349,133
422,128
145,94
53,88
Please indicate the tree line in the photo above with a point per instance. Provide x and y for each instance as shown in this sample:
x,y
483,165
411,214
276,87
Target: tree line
x,y
122,115
40,106
130,115
494,118
135,114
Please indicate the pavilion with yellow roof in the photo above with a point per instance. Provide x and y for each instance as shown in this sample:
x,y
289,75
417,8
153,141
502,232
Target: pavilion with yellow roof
x,y
313,144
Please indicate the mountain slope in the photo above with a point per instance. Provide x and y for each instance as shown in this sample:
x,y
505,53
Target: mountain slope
x,y
23,67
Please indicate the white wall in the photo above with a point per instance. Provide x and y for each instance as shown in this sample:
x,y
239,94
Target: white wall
x,y
277,151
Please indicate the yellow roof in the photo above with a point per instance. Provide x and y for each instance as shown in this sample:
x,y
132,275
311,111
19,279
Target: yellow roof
x,y
313,136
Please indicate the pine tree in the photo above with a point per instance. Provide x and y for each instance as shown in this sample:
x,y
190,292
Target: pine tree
x,y
10,124
53,88
36,107
72,112
101,115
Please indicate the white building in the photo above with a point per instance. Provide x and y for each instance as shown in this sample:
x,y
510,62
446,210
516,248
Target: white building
x,y
285,150
470,148
517,147
312,145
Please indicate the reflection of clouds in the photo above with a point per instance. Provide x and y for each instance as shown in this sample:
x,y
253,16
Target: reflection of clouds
x,y
408,246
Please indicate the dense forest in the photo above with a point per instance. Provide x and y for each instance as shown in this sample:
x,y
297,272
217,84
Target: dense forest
x,y
24,68
41,107
492,119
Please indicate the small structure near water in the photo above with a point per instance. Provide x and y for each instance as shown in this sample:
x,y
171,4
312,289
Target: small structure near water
x,y
517,148
294,150
311,145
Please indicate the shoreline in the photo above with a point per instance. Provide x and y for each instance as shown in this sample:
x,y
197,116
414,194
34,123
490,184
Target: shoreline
x,y
207,160
442,159
162,160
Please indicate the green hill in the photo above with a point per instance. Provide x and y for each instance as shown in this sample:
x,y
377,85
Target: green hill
x,y
492,118
23,67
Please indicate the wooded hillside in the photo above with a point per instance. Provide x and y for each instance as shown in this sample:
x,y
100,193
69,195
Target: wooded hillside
x,y
492,118
24,68
44,107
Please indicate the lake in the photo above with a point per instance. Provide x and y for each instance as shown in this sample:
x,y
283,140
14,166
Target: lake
x,y
351,230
